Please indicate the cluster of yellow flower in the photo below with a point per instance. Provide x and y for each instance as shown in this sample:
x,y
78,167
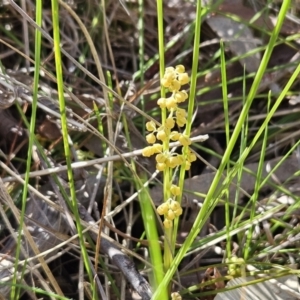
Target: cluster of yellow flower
x,y
236,266
173,79
170,210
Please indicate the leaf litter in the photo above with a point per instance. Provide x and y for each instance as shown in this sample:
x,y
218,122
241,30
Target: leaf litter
x,y
230,21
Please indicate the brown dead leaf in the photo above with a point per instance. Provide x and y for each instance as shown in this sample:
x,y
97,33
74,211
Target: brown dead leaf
x,y
219,284
49,130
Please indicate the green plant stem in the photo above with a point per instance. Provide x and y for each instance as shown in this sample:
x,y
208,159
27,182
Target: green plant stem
x,y
141,55
255,195
161,42
149,218
167,174
31,139
226,117
191,105
59,76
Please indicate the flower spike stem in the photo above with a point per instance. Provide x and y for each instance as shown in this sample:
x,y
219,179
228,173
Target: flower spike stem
x,y
160,139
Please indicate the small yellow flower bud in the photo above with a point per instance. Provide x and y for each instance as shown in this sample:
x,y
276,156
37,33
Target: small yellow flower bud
x,y
162,209
240,260
180,159
162,102
174,135
161,135
168,78
172,162
160,166
176,296
183,78
168,223
175,190
174,205
165,82
184,140
180,113
170,123
187,165
157,148
181,96
147,151
151,126
180,69
171,103
170,215
178,212
170,70
180,121
175,86
191,157
160,158
150,138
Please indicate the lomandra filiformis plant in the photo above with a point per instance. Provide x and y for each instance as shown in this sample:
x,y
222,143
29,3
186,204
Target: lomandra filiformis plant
x,y
160,137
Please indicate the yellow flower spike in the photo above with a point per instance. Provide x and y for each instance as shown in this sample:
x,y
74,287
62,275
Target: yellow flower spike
x,y
157,148
174,135
175,86
180,69
187,165
171,103
170,215
174,205
170,123
161,135
181,96
150,126
178,212
162,102
162,209
160,158
181,122
150,138
147,151
184,140
160,166
168,223
175,190
183,78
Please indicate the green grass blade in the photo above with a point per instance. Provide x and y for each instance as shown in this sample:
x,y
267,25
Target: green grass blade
x,y
227,133
60,87
254,197
150,218
191,105
31,138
